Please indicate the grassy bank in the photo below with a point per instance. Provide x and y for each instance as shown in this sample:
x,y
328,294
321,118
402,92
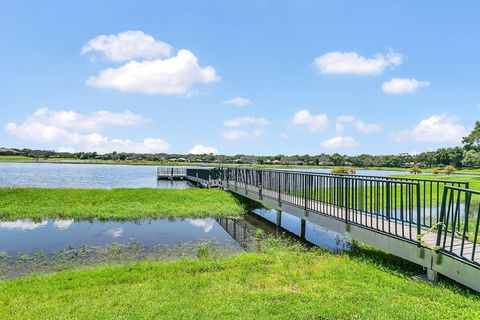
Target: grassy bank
x,y
281,281
38,203
474,181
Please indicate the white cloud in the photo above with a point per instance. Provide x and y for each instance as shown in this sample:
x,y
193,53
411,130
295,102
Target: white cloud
x,y
205,224
66,149
254,131
71,120
174,75
437,128
284,136
63,224
127,46
314,123
361,126
70,128
401,86
238,101
245,121
97,142
235,135
22,225
339,142
115,232
201,149
337,62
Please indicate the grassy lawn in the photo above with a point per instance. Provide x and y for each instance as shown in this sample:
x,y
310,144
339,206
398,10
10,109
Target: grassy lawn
x,y
14,158
281,281
474,181
36,203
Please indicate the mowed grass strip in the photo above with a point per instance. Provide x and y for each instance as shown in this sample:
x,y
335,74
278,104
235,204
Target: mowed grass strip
x,y
128,204
280,282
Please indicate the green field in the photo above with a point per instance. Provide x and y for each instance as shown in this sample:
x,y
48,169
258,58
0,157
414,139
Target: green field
x,y
119,204
281,281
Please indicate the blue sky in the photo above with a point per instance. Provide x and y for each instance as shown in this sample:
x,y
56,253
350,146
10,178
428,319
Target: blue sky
x,y
256,77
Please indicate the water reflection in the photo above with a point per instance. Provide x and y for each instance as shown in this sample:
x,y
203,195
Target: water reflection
x,y
50,236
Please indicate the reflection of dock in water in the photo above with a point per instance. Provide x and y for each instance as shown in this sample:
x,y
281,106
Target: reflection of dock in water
x,y
240,230
244,231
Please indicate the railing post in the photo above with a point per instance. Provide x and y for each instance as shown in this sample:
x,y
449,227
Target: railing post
x,y
442,216
419,211
260,183
305,198
279,183
388,204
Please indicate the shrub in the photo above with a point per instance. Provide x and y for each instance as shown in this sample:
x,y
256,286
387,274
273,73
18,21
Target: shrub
x,y
450,169
415,169
343,170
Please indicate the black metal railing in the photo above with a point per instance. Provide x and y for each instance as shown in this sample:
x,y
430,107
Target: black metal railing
x,y
385,205
431,190
438,214
458,230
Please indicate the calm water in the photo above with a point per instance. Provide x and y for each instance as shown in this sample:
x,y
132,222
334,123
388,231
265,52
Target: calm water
x,y
52,175
51,236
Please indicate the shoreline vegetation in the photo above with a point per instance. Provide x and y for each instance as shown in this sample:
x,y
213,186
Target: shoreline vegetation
x,y
23,159
118,204
309,283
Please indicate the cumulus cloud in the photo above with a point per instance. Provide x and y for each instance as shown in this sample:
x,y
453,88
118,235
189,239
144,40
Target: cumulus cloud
x,y
238,101
360,125
402,86
437,128
128,45
253,128
68,119
101,144
171,76
245,121
314,123
22,225
201,149
339,142
71,128
63,224
242,134
205,224
337,62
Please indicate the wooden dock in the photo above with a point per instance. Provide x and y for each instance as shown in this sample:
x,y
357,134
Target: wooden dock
x,y
204,177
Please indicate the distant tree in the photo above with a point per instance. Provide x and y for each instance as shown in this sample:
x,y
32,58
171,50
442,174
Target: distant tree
x,y
471,159
337,159
472,141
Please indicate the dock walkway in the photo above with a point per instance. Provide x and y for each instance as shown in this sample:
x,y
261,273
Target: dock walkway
x,y
437,229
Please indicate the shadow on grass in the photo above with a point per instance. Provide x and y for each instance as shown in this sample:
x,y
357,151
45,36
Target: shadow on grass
x,y
391,263
246,203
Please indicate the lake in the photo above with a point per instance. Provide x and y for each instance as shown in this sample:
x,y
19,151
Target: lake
x,y
62,175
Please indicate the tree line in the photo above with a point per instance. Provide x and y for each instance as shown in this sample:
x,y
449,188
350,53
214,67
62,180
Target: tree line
x,y
467,155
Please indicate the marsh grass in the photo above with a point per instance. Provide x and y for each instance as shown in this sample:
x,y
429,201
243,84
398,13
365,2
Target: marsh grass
x,y
117,204
283,280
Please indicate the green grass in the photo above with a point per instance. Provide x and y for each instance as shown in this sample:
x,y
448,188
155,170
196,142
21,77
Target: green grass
x,y
119,204
473,181
279,282
14,158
